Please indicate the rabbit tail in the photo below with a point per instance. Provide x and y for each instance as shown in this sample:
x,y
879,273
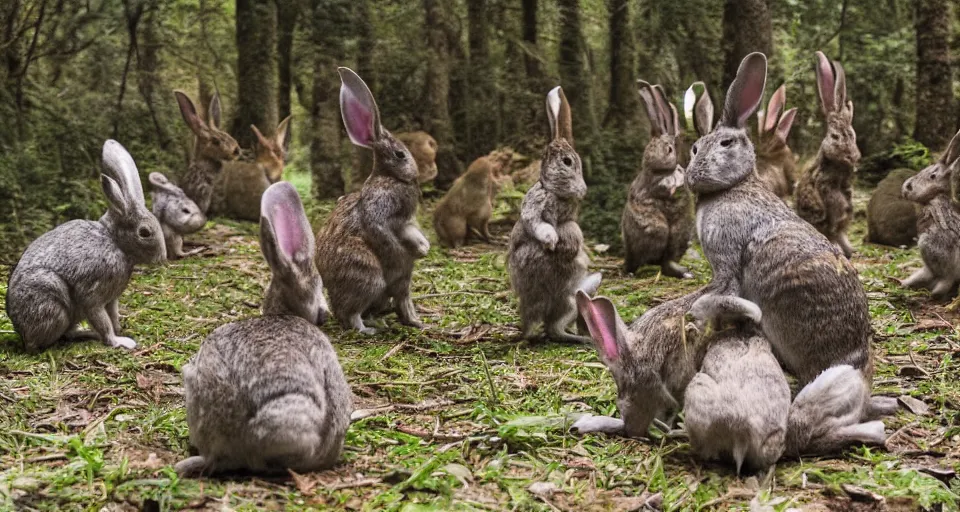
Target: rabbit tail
x,y
287,431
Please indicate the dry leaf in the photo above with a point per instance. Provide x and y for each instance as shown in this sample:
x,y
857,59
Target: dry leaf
x,y
543,489
860,494
304,483
915,406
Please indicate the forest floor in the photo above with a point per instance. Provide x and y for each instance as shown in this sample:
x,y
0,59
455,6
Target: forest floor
x,y
457,416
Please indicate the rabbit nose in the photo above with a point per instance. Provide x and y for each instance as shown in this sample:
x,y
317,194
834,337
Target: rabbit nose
x,y
322,317
236,151
909,186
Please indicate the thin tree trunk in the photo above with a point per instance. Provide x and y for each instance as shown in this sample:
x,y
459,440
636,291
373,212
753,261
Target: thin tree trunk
x,y
575,78
482,122
746,28
935,102
366,47
330,20
623,92
437,90
287,13
256,70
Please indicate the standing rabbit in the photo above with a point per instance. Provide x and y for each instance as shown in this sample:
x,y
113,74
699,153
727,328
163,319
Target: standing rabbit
x,y
938,225
79,269
238,188
657,221
468,205
177,213
736,406
211,149
824,193
775,162
367,249
546,258
814,307
891,218
267,394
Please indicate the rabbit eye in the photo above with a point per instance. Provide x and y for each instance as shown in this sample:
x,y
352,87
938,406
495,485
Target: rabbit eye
x,y
726,142
216,142
567,161
400,155
834,136
669,150
144,232
694,149
186,210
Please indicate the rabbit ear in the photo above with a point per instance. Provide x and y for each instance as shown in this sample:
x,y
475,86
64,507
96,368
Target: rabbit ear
x,y
650,103
666,114
826,84
689,103
260,138
119,165
786,122
704,113
952,152
214,111
604,326
774,108
189,113
559,115
286,237
358,109
841,88
746,91
115,195
282,136
160,182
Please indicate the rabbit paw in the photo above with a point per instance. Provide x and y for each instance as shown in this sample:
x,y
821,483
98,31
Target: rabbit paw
x,y
122,341
591,424
546,234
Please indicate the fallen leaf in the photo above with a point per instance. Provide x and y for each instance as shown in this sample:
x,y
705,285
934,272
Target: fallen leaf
x,y
928,324
304,483
460,472
543,489
861,495
633,503
915,406
911,371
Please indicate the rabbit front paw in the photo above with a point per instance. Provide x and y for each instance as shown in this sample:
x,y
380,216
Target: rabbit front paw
x,y
122,341
547,235
420,244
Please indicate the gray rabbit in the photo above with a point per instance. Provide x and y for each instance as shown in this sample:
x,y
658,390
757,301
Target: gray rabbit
x,y
814,307
824,193
657,221
177,213
267,394
545,258
79,269
367,249
736,406
938,225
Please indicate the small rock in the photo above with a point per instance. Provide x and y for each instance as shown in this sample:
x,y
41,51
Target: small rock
x,y
543,489
915,406
911,371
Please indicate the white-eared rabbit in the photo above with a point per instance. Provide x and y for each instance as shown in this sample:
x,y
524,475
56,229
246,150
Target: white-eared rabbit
x,y
177,213
267,394
78,270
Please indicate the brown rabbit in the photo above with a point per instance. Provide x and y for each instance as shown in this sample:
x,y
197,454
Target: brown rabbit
x,y
776,164
891,219
824,193
468,205
367,249
211,149
421,145
238,188
657,221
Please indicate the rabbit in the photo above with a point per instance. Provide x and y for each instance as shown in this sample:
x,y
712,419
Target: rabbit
x,y
545,258
824,193
367,249
826,415
267,394
422,146
938,225
737,405
177,213
657,221
211,149
468,205
776,164
814,307
238,188
698,114
891,219
79,269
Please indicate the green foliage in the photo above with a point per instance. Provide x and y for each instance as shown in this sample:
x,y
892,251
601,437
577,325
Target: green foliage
x,y
908,154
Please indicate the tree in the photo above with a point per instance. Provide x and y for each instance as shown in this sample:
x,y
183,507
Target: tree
x,y
256,70
575,78
436,90
747,28
366,47
623,92
482,134
330,19
935,115
287,13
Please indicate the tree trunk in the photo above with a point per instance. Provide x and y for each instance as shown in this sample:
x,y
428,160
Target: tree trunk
x,y
575,78
256,70
437,90
330,22
287,13
530,38
482,120
623,91
746,28
934,125
366,47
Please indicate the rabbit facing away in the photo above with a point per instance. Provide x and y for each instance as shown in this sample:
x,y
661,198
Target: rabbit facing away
x,y
891,218
367,249
468,205
238,188
657,221
736,407
814,307
212,147
177,213
545,258
79,269
267,394
824,193
938,225
775,162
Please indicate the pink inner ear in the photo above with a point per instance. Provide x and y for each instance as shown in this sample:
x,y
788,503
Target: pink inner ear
x,y
750,96
825,80
783,128
600,327
289,232
359,119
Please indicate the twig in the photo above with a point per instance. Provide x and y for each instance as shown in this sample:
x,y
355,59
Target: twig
x,y
458,292
354,484
46,458
396,348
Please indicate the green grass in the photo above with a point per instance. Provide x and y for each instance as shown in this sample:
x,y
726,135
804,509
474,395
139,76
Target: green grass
x,y
477,417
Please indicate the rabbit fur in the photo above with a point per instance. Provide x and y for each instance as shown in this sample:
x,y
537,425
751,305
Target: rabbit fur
x,y
78,270
657,221
545,258
775,162
892,219
468,205
736,406
824,193
177,213
267,394
814,307
212,147
938,225
367,249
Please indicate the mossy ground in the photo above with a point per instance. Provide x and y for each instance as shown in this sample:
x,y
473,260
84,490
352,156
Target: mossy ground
x,y
462,416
